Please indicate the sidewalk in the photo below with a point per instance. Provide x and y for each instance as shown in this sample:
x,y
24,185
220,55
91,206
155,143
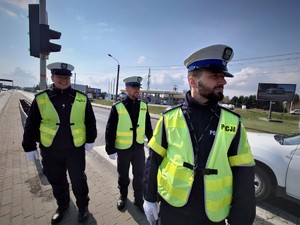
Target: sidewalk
x,y
26,196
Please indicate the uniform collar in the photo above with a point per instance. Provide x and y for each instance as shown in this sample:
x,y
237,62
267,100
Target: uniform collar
x,y
189,100
60,91
130,101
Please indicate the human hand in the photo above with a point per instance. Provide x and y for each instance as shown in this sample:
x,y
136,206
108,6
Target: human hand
x,y
113,156
32,156
151,212
88,146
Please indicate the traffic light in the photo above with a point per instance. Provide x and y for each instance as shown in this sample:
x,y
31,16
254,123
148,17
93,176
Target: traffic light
x,y
46,34
34,43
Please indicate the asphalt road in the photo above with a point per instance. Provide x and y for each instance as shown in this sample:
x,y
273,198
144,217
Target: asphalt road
x,y
4,97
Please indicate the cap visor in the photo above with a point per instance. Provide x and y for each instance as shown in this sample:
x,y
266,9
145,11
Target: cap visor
x,y
64,75
226,73
134,85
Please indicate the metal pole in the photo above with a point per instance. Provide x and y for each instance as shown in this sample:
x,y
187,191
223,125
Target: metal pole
x,y
74,80
117,85
270,111
113,87
43,58
118,73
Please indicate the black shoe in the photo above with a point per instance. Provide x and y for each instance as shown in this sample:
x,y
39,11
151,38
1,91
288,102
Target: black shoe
x,y
121,203
83,215
59,214
139,204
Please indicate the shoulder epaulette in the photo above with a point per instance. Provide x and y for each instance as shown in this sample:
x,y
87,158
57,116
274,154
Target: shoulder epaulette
x,y
117,102
41,92
170,108
144,101
228,110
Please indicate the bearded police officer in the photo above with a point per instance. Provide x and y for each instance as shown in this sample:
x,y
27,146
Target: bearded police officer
x,y
127,125
62,120
200,162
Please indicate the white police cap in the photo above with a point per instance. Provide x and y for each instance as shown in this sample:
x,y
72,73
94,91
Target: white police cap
x,y
213,58
134,81
60,68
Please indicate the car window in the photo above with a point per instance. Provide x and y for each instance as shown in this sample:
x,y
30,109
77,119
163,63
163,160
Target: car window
x,y
292,140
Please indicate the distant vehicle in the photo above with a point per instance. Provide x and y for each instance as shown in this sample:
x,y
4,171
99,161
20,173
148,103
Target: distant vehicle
x,y
4,89
122,96
295,112
164,102
277,169
228,106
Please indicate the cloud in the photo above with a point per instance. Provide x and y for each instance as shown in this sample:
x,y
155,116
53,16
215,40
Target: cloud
x,y
103,27
8,12
23,4
246,81
165,80
21,78
79,18
141,59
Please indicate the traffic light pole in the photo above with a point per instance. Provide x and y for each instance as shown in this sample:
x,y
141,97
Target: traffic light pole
x,y
43,57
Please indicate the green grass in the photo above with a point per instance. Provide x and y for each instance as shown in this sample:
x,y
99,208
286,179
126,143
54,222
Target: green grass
x,y
253,119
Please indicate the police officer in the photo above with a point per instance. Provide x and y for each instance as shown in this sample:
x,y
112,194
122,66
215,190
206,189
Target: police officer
x,y
62,120
200,162
127,125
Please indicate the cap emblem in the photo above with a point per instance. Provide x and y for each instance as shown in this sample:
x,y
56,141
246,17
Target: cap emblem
x,y
64,66
227,53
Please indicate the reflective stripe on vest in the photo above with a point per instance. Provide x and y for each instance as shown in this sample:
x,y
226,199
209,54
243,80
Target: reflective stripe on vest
x,y
124,134
175,180
50,119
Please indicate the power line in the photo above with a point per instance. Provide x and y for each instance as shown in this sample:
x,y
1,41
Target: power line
x,y
264,57
233,63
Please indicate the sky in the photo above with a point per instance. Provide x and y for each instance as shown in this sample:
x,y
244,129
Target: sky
x,y
151,39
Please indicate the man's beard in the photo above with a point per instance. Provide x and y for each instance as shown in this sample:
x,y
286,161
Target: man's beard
x,y
134,96
209,93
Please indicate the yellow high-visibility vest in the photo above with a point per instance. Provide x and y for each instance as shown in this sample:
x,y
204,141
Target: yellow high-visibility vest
x,y
175,180
124,136
50,119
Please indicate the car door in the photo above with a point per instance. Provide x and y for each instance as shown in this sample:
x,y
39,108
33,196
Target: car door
x,y
293,174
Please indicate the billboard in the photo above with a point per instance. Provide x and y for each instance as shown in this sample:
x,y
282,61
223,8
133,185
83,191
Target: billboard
x,y
275,92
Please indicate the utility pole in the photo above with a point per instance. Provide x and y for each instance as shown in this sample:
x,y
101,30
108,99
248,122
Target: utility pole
x,y
148,83
118,74
116,89
40,35
43,57
74,80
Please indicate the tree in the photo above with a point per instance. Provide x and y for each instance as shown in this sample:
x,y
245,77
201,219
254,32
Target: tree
x,y
226,99
240,101
234,101
296,99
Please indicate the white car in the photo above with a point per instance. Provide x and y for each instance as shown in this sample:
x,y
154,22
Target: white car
x,y
295,112
277,167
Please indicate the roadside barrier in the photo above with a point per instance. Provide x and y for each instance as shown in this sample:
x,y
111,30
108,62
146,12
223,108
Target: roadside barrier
x,y
24,107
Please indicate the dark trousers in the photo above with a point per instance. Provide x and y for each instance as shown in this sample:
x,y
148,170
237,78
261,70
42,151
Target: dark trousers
x,y
135,157
56,163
